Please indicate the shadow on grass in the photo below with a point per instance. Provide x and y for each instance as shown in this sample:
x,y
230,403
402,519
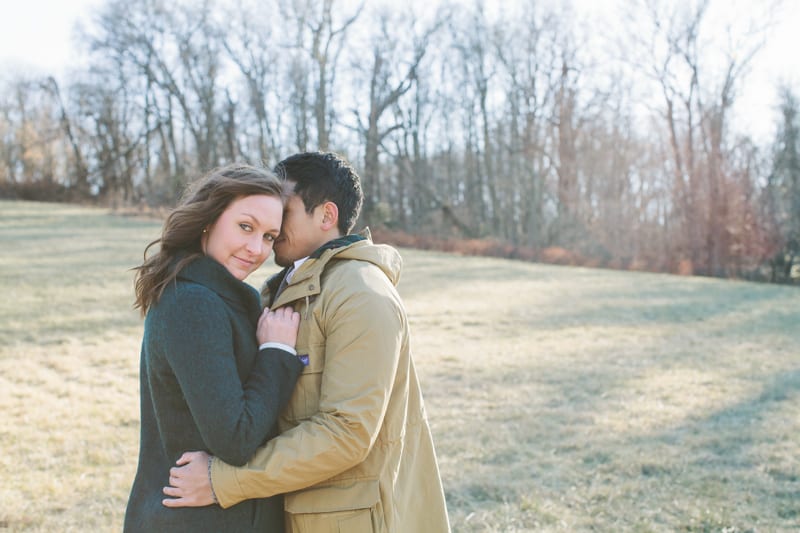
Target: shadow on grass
x,y
673,303
739,452
426,271
737,461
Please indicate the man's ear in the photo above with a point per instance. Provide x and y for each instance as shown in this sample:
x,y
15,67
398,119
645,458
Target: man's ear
x,y
330,216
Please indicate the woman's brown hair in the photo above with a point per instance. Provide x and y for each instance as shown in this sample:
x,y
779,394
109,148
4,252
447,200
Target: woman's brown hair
x,y
201,205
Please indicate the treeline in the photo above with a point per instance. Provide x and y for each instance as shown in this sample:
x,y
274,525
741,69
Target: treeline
x,y
518,128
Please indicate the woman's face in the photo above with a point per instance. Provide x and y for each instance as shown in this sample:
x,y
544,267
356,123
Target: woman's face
x,y
242,237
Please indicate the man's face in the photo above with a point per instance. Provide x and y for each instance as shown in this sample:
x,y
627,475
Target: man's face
x,y
300,233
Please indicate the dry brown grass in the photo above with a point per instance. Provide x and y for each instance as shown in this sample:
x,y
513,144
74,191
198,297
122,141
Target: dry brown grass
x,y
561,399
569,399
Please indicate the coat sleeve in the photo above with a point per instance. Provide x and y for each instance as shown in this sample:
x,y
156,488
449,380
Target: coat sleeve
x,y
233,418
362,349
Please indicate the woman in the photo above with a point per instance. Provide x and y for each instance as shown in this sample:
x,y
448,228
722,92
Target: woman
x,y
211,377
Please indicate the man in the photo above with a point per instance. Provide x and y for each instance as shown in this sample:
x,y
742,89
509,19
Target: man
x,y
355,451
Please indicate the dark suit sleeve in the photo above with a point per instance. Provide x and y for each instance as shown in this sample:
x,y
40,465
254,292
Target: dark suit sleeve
x,y
233,418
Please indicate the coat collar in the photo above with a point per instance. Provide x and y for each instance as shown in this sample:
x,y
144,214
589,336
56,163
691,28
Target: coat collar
x,y
212,275
306,281
337,243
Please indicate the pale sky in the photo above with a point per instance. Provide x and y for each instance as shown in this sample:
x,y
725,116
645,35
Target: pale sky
x,y
37,35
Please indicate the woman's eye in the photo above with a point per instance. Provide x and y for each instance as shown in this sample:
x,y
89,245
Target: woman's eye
x,y
246,227
269,237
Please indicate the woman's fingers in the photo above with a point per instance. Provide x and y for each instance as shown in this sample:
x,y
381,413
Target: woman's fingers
x,y
283,313
263,316
279,325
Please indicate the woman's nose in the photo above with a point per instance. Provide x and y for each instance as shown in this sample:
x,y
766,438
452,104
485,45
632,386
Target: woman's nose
x,y
255,245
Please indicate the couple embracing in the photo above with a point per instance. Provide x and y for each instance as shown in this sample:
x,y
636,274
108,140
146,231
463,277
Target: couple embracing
x,y
295,410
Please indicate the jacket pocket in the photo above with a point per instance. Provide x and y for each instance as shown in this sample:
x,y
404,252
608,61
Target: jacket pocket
x,y
304,402
354,507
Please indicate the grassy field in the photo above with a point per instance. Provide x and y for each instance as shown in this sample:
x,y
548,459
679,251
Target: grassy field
x,y
561,399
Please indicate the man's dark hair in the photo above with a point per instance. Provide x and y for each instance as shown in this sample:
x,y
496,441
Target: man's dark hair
x,y
325,177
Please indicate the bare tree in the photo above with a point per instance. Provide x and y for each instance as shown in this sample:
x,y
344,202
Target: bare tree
x,y
567,223
80,172
782,196
323,39
177,50
33,136
393,71
249,45
474,48
697,100
528,52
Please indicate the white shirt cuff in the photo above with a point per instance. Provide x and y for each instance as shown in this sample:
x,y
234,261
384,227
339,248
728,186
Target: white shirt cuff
x,y
278,345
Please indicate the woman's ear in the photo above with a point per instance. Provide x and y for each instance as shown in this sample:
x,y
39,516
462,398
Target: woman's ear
x,y
204,240
330,216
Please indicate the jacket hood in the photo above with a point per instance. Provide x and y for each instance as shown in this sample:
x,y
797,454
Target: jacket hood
x,y
381,255
306,282
358,247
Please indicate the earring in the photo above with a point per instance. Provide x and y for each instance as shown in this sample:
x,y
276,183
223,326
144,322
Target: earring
x,y
205,230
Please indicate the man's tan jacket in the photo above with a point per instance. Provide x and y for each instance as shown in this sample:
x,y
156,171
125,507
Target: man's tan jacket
x,y
355,451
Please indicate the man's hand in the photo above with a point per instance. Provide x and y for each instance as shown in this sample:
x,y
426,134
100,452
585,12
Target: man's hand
x,y
189,482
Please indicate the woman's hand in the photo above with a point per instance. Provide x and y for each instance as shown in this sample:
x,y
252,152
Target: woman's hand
x,y
278,326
